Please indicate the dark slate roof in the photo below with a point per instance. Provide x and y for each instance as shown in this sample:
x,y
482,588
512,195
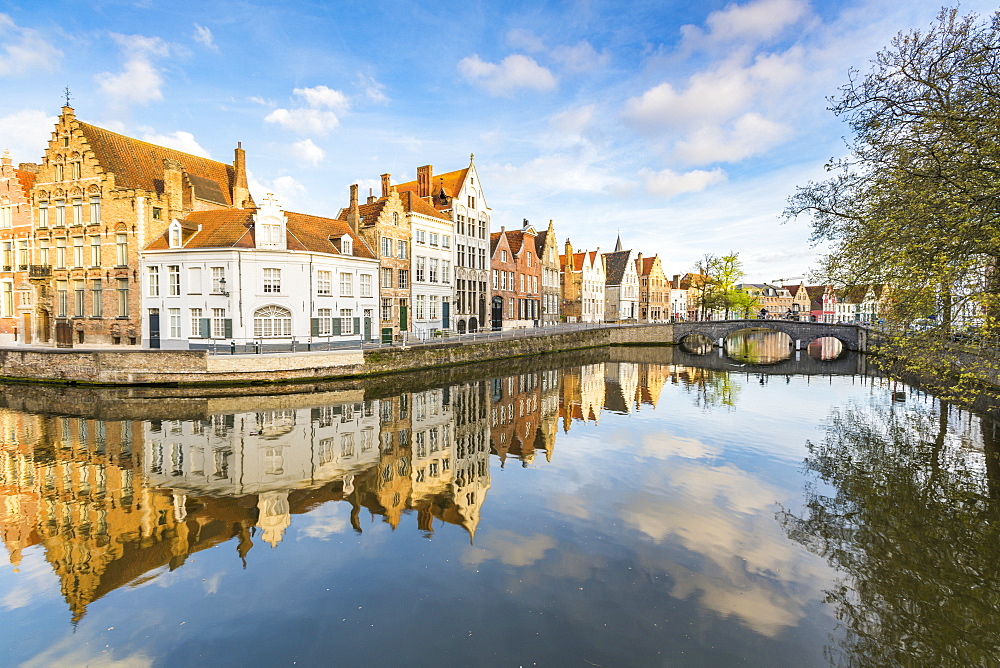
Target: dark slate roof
x,y
615,265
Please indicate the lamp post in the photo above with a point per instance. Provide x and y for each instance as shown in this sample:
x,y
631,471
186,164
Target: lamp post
x,y
222,286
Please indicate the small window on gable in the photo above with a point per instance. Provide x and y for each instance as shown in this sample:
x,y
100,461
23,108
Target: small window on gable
x,y
346,245
175,235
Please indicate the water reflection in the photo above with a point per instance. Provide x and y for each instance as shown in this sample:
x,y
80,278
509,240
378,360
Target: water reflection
x,y
642,518
758,346
825,348
697,344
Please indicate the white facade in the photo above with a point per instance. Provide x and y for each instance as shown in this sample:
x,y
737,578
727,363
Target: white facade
x,y
201,296
432,286
472,254
678,304
592,288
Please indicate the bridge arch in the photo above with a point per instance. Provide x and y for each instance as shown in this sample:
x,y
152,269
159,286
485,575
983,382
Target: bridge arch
x,y
851,337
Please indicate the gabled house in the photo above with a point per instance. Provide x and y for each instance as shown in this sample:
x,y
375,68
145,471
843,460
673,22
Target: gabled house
x,y
654,289
621,285
258,278
517,278
822,303
583,281
16,317
547,250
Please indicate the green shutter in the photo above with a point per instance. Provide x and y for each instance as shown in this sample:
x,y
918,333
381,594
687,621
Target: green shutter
x,y
205,325
229,327
314,326
336,326
357,326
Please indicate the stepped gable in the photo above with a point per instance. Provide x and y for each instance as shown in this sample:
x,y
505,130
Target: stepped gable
x,y
369,213
645,265
27,181
138,164
615,264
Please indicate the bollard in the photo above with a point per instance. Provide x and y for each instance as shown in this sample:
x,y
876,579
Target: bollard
x,y
232,347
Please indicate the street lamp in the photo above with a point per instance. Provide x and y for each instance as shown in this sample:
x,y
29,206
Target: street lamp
x,y
222,286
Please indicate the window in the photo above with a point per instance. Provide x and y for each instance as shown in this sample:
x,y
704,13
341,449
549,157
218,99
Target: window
x,y
77,211
195,322
8,255
43,253
272,321
22,254
346,284
174,277
157,213
272,280
402,249
433,274
482,258
95,210
395,218
61,253
62,302
433,239
74,170
77,251
386,247
154,281
386,309
121,249
79,296
421,268
433,311
324,282
445,271
503,256
95,251
386,274
8,299
175,322
218,277
419,307
461,255
445,241
421,237
346,321
482,232
472,202
175,237
58,172
404,279
43,214
270,236
460,225
194,280
496,279
122,297
325,324
366,285
6,216
346,245
529,258
219,323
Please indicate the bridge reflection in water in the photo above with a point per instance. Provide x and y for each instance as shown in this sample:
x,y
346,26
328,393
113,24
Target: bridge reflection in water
x,y
114,500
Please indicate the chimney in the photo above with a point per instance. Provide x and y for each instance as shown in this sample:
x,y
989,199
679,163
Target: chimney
x,y
569,250
173,188
371,196
7,164
241,191
424,180
385,185
353,214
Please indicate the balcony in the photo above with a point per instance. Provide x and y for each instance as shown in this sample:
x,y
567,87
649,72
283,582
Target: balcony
x,y
39,271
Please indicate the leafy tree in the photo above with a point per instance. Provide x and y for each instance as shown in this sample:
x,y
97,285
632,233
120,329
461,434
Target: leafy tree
x,y
916,202
716,278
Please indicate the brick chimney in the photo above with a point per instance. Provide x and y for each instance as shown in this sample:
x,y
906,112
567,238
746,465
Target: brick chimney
x,y
385,185
353,213
173,188
424,175
241,191
371,196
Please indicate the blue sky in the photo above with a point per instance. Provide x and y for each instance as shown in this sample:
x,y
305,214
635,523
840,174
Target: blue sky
x,y
683,126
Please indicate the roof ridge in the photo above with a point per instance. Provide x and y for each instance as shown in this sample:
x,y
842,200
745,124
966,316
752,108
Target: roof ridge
x,y
148,143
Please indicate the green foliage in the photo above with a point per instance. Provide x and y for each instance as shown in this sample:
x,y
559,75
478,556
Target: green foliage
x,y
716,279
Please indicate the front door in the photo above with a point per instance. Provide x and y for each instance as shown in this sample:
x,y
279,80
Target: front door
x,y
154,328
26,328
403,315
445,312
497,313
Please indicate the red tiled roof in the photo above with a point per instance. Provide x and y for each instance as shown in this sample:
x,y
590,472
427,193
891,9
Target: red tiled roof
x,y
233,228
450,181
139,164
417,205
27,180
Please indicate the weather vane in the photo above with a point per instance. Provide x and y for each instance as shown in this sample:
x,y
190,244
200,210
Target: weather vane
x,y
68,96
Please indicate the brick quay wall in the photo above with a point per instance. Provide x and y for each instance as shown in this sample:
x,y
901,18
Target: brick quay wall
x,y
197,367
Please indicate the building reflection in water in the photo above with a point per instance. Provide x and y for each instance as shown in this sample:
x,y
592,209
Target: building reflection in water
x,y
113,502
758,346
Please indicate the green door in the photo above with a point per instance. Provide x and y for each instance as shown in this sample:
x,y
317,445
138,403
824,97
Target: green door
x,y
403,317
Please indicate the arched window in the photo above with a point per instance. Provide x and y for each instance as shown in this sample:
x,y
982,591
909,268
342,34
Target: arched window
x,y
271,322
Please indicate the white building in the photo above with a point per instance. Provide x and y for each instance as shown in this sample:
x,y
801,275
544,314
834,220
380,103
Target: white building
x,y
621,296
266,278
432,288
593,287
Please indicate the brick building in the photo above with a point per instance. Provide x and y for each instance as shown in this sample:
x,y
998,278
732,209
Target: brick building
x,y
517,278
547,250
15,238
582,280
654,289
98,199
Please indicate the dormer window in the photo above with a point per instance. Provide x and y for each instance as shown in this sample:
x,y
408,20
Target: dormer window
x,y
269,225
174,235
346,245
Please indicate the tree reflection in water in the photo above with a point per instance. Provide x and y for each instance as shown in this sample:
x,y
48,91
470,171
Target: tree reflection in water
x,y
909,515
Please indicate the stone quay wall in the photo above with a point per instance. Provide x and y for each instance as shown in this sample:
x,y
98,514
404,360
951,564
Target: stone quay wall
x,y
197,367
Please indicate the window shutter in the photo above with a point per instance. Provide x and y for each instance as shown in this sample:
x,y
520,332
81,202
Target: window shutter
x,y
205,325
314,326
357,326
336,326
229,327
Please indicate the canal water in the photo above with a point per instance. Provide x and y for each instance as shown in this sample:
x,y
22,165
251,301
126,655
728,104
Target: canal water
x,y
618,507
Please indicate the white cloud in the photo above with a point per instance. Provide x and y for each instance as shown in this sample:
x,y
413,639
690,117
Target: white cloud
x,y
307,152
514,72
24,50
319,116
179,140
140,81
509,548
285,188
750,135
373,90
525,40
753,22
26,133
204,36
573,121
581,57
669,183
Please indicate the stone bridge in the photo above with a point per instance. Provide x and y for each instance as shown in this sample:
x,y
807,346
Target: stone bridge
x,y
853,337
